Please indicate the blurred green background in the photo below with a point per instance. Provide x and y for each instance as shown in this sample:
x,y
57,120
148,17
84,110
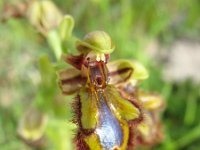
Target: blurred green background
x,y
147,31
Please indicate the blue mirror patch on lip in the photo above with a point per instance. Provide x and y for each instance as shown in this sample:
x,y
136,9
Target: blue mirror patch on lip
x,y
109,129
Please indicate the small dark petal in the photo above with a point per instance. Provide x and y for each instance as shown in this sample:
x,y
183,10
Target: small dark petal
x,y
76,61
70,77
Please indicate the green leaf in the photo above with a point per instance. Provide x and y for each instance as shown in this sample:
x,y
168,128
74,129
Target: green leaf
x,y
60,133
47,72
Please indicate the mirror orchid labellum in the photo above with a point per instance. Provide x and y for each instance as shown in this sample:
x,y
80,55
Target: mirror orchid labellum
x,y
111,112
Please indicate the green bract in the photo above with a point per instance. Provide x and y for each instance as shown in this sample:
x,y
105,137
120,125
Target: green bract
x,y
65,27
97,41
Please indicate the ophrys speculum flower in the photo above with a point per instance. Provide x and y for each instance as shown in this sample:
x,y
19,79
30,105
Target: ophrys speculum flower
x,y
109,111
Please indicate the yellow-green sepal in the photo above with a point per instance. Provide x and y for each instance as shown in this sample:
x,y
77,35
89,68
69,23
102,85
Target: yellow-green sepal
x,y
150,101
97,41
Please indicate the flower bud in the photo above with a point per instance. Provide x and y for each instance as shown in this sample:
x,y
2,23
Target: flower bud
x,y
32,125
44,15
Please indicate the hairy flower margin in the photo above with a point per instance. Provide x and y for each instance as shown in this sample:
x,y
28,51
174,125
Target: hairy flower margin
x,y
125,75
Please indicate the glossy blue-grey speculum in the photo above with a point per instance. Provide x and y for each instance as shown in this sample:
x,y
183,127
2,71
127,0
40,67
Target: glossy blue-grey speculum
x,y
109,129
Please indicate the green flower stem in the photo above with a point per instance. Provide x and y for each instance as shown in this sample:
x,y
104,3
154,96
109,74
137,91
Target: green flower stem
x,y
60,134
1,131
68,45
167,143
191,109
167,90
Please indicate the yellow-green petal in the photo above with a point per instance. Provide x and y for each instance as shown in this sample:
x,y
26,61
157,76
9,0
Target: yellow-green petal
x,y
139,72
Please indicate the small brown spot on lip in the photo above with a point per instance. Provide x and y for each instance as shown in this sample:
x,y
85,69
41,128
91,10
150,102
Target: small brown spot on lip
x,y
99,80
75,61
